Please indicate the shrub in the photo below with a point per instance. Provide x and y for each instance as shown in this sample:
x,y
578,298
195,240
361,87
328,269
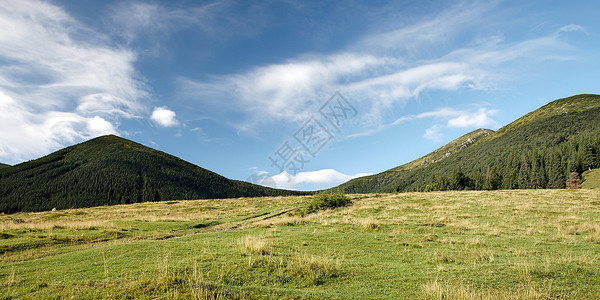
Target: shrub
x,y
327,201
430,188
254,245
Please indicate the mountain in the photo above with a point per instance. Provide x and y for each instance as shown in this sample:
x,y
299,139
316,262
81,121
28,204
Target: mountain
x,y
538,150
387,180
111,170
2,166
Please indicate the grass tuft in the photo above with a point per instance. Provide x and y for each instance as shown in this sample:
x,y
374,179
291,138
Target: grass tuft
x,y
436,290
313,269
251,245
369,223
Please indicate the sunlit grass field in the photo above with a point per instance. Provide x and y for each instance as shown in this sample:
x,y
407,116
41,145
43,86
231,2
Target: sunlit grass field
x,y
591,179
522,244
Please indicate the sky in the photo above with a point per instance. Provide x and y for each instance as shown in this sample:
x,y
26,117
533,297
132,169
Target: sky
x,y
299,95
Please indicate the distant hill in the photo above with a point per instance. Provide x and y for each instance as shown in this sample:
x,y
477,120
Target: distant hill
x,y
111,170
538,150
2,166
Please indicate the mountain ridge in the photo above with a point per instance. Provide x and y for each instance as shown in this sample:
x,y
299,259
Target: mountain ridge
x,y
538,150
112,170
436,156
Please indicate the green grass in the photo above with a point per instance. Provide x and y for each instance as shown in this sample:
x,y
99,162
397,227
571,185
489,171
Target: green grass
x,y
524,244
591,179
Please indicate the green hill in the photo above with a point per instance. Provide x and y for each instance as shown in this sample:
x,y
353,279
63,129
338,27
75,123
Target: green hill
x,y
378,182
2,166
111,170
591,179
539,150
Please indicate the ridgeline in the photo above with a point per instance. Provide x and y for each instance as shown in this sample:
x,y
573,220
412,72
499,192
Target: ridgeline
x,y
111,170
539,150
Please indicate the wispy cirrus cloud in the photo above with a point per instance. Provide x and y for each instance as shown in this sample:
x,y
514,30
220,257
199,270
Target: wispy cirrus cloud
x,y
151,22
281,91
458,118
380,71
60,82
430,35
572,28
447,117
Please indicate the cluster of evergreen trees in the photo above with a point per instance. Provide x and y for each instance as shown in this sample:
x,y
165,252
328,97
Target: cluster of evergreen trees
x,y
532,169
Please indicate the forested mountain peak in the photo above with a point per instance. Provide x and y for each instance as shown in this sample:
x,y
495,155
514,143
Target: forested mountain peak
x,y
538,150
113,170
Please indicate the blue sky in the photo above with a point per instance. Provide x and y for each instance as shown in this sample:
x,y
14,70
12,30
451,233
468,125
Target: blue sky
x,y
293,94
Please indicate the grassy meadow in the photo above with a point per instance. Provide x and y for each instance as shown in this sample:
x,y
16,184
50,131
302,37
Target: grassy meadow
x,y
519,244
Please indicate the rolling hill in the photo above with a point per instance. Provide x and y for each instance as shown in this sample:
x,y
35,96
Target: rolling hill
x,y
2,166
538,150
591,179
111,170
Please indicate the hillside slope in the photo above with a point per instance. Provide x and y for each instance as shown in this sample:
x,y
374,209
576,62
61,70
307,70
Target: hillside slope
x,y
2,166
375,183
591,179
112,170
538,150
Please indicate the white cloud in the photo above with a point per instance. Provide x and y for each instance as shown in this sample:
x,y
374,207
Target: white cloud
x,y
324,177
409,83
443,112
433,133
481,118
59,81
164,117
98,126
281,91
457,118
287,92
453,118
572,28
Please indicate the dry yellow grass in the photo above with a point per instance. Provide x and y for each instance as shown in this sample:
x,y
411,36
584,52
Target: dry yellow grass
x,y
251,245
369,223
178,211
456,290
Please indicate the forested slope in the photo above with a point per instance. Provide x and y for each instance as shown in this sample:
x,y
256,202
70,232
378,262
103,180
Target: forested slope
x,y
539,150
112,170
